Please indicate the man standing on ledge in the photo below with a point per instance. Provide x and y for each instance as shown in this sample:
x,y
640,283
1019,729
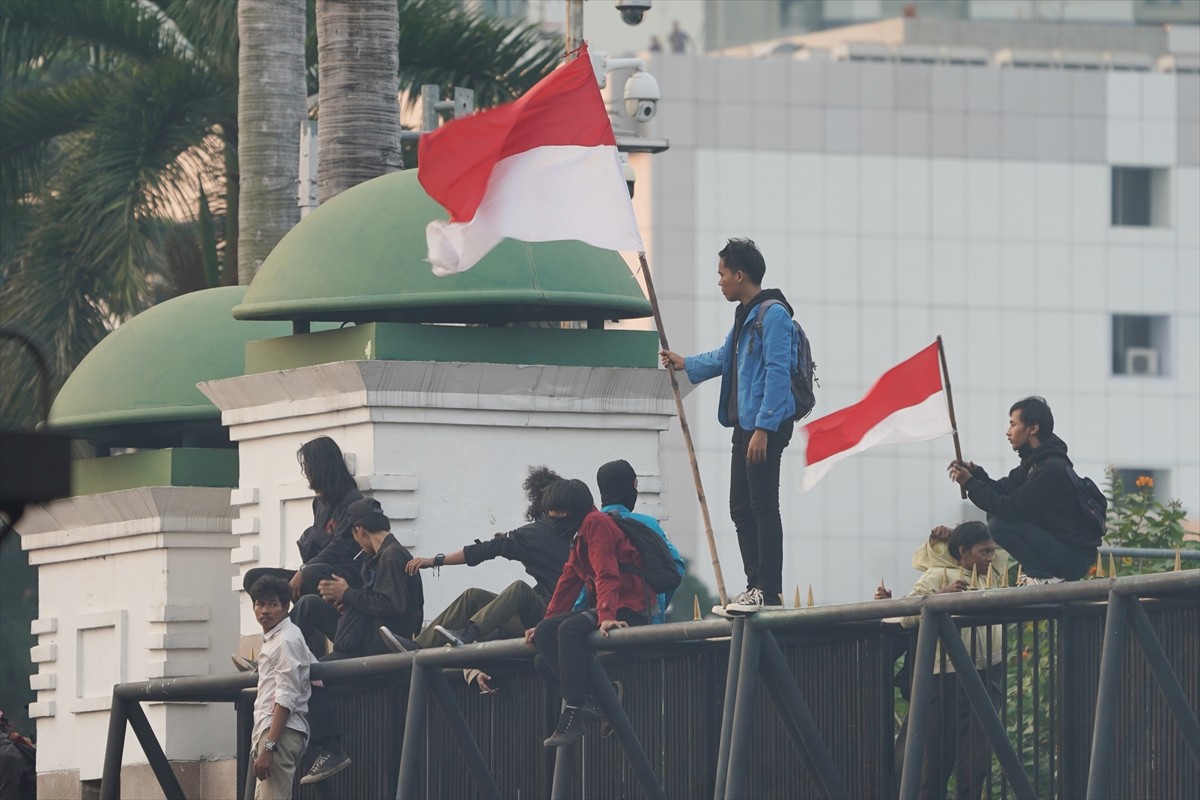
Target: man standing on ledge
x,y
1035,512
756,364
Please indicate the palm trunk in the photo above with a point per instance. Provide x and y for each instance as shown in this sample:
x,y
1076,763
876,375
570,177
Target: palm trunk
x,y
271,106
358,57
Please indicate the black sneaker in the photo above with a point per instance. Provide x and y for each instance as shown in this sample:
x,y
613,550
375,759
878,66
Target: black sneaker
x,y
397,644
467,634
571,725
326,765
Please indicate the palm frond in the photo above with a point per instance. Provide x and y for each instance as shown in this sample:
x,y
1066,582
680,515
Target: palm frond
x,y
128,28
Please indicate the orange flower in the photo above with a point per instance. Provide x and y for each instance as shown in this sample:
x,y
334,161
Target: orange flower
x,y
1145,482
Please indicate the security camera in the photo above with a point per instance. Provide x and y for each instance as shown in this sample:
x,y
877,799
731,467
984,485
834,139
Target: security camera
x,y
632,11
641,96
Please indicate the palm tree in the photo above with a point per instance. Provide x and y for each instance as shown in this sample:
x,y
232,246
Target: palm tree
x,y
358,60
272,102
119,152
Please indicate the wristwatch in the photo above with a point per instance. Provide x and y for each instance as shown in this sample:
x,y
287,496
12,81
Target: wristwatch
x,y
270,746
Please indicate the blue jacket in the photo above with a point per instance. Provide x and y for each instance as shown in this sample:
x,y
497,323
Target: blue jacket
x,y
765,366
664,599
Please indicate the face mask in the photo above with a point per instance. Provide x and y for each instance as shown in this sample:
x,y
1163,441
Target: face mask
x,y
565,526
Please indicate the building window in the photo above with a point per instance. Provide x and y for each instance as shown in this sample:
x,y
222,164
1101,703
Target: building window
x,y
1140,197
1140,345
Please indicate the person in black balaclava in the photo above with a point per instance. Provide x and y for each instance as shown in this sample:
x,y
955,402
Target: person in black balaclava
x,y
1034,513
542,547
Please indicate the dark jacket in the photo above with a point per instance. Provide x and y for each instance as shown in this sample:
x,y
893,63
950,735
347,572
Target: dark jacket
x,y
599,551
328,540
539,546
389,594
1038,491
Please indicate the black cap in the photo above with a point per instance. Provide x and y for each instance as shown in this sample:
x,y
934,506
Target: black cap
x,y
368,513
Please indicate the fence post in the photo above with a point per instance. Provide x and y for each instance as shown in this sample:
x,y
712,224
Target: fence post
x,y
918,706
114,750
564,771
731,681
1116,632
743,715
408,781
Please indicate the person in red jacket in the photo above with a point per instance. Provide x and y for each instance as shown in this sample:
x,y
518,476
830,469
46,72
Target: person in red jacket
x,y
605,562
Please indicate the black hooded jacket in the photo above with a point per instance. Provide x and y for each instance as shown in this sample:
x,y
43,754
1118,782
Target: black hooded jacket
x,y
328,540
542,548
1039,491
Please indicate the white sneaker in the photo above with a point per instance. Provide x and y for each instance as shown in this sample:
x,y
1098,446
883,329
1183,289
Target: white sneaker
x,y
723,610
747,602
1026,580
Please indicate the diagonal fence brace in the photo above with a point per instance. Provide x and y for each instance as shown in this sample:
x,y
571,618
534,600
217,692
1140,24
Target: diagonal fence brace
x,y
462,734
1165,677
985,712
798,720
623,730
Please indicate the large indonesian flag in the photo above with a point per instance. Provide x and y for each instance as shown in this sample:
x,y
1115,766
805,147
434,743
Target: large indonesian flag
x,y
539,169
907,404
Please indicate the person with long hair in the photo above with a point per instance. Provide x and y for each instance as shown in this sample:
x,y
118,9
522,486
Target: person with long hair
x,y
326,547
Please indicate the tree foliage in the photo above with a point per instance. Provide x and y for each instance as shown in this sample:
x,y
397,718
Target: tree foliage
x,y
117,116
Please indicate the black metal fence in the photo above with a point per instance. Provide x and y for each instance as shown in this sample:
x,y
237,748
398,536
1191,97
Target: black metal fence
x,y
694,723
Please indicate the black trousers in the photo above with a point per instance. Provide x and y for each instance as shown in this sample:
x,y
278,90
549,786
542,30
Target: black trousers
x,y
1040,553
352,633
954,742
563,653
754,508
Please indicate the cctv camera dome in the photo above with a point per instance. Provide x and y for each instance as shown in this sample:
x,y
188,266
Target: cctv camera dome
x,y
641,96
632,11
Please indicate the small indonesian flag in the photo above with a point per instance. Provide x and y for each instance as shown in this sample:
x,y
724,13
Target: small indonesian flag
x,y
542,168
907,404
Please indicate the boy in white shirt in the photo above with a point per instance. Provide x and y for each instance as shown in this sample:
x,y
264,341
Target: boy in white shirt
x,y
280,712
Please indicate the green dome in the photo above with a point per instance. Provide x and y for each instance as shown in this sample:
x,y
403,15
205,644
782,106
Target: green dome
x,y
137,388
361,257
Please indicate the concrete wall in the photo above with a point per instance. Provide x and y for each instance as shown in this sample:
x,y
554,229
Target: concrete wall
x,y
132,586
444,447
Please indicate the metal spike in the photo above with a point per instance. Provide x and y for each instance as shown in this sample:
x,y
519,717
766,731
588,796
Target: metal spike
x,y
988,580
797,603
810,596
695,606
974,576
1112,566
1100,565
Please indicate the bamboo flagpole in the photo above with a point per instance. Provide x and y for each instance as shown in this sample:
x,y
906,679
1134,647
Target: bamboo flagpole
x,y
687,433
962,490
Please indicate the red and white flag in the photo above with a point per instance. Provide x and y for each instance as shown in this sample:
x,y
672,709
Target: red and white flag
x,y
542,168
907,404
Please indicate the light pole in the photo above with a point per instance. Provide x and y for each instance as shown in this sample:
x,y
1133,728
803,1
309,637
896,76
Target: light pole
x,y
574,26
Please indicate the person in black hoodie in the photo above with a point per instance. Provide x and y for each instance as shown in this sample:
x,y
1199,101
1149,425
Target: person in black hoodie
x,y
326,546
1034,513
541,546
756,364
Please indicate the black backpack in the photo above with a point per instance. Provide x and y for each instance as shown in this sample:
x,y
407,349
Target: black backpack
x,y
1092,503
660,572
805,376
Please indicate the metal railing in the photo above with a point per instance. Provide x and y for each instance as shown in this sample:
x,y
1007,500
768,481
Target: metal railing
x,y
1079,712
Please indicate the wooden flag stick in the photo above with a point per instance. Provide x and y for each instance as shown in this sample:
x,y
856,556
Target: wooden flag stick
x,y
950,404
687,433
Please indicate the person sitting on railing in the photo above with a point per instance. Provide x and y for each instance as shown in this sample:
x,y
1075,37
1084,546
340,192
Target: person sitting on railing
x,y
351,617
954,736
618,486
541,546
326,546
618,599
1035,512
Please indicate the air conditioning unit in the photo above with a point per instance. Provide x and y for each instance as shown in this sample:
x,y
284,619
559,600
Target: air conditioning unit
x,y
1141,361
